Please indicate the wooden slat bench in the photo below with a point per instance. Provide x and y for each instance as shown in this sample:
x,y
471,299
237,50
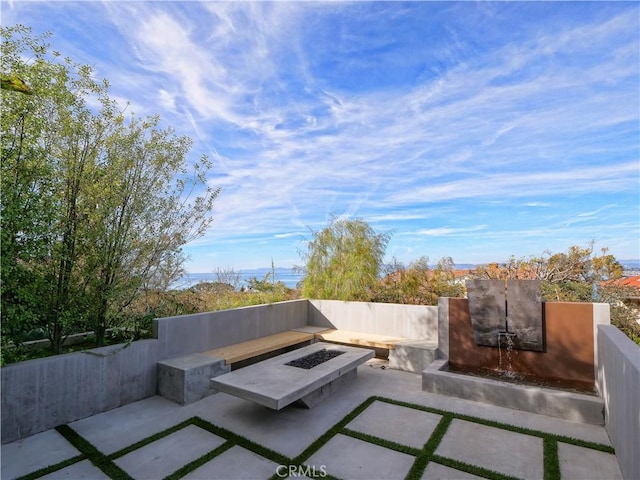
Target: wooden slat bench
x,y
371,340
260,346
186,379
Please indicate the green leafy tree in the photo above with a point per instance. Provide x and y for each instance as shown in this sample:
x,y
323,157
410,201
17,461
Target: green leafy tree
x,y
418,284
39,188
577,275
343,261
566,276
268,284
95,206
14,83
144,212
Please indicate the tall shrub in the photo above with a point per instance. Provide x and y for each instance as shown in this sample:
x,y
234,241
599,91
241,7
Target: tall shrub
x,y
343,261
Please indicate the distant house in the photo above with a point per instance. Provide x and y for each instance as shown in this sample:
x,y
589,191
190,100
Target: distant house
x,y
631,286
630,292
633,282
461,276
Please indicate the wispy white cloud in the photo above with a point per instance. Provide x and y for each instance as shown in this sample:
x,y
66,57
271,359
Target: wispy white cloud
x,y
289,235
514,185
538,204
595,212
445,231
312,109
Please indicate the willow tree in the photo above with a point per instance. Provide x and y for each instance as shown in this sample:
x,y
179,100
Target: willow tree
x,y
95,205
344,260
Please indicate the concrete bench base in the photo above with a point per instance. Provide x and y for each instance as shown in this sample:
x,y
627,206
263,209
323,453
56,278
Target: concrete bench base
x,y
315,397
185,379
403,353
275,385
412,356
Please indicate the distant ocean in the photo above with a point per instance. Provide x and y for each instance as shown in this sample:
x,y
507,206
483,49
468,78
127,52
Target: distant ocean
x,y
284,275
291,278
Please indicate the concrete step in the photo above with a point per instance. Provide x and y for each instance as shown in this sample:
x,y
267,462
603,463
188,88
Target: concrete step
x,y
572,406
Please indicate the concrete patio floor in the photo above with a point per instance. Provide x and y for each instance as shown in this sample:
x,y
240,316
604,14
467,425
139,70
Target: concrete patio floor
x,y
224,437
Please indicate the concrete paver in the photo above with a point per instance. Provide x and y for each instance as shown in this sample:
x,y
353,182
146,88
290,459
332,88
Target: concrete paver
x,y
406,426
493,448
585,464
113,430
78,471
291,430
165,456
236,463
34,452
435,471
346,457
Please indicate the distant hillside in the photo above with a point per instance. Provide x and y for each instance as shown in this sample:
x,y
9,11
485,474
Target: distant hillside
x,y
633,264
466,266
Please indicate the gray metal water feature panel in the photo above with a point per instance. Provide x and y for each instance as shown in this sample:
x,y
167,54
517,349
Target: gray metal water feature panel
x,y
487,306
525,314
511,310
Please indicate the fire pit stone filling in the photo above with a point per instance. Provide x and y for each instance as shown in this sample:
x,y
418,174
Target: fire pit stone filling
x,y
314,359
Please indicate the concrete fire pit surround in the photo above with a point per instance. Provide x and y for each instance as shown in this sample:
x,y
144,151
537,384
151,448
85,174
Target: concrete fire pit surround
x,y
275,384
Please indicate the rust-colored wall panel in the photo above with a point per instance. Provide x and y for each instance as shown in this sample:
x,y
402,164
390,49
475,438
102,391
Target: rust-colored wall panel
x,y
569,344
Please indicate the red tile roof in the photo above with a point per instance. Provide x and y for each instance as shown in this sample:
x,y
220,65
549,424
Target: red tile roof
x,y
633,282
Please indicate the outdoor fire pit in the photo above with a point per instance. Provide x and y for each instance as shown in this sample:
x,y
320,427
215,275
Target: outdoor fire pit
x,y
307,375
314,359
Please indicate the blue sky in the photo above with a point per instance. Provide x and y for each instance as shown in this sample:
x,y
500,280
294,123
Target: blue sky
x,y
471,130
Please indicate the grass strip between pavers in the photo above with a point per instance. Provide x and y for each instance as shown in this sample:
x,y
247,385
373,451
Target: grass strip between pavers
x,y
398,447
198,462
326,436
426,454
472,469
551,460
52,468
150,439
423,456
322,440
99,459
504,426
582,443
242,441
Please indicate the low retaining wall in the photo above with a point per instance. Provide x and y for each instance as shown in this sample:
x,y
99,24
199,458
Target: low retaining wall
x,y
619,385
41,394
200,332
419,322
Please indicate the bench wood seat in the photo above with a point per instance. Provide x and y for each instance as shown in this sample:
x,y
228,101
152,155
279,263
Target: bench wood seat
x,y
359,338
253,348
